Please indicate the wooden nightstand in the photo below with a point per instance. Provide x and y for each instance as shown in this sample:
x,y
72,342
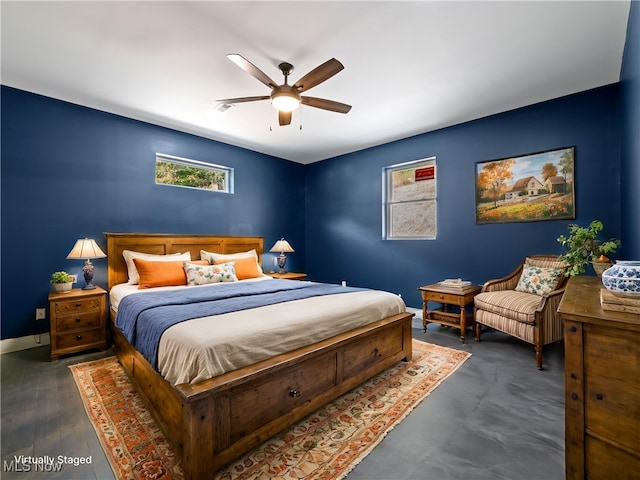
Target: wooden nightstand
x,y
78,321
288,275
445,295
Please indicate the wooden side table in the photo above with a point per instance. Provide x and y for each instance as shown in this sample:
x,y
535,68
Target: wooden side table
x,y
78,321
446,296
288,275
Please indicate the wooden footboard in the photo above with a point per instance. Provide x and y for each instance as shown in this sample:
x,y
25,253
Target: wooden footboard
x,y
214,422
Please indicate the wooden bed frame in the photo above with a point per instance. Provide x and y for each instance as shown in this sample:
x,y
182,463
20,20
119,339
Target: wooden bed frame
x,y
215,421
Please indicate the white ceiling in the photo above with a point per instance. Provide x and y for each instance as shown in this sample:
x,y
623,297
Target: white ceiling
x,y
410,67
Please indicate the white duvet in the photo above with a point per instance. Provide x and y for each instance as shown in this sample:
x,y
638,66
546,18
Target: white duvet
x,y
202,348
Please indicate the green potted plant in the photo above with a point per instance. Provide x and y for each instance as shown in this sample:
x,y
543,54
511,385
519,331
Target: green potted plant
x,y
61,281
584,246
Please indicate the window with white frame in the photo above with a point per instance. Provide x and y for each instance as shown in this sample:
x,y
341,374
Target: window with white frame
x,y
409,210
182,172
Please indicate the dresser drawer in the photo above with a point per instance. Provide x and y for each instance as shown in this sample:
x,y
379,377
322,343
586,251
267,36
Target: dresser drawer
x,y
81,320
81,338
279,394
371,350
68,307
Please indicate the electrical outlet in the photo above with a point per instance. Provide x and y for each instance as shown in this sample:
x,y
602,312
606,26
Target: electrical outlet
x,y
41,313
75,278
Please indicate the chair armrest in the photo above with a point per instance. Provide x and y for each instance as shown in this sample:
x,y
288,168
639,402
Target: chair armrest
x,y
505,283
553,297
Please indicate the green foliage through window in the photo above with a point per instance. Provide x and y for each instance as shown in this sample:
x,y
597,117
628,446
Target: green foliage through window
x,y
182,172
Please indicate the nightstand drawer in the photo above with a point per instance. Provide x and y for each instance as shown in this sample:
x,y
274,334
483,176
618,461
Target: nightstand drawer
x,y
443,298
67,307
82,320
82,338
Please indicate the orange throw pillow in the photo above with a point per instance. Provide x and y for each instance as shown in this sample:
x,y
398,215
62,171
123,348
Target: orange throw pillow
x,y
246,267
160,274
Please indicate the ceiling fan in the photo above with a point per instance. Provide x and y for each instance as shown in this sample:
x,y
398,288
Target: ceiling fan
x,y
286,98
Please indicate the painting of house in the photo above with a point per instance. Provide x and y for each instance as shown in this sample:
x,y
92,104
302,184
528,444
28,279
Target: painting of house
x,y
524,186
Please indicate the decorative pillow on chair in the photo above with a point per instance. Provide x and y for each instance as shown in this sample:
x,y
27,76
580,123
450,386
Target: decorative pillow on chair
x,y
204,274
539,280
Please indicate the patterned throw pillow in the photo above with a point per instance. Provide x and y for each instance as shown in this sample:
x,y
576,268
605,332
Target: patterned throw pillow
x,y
204,274
539,280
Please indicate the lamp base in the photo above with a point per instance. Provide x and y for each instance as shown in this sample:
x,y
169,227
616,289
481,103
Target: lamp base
x,y
282,260
88,271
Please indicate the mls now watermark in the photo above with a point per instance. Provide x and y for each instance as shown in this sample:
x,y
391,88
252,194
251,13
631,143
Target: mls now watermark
x,y
46,463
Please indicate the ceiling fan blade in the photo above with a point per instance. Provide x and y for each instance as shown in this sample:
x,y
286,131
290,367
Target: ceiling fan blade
x,y
284,118
251,69
326,104
318,75
242,99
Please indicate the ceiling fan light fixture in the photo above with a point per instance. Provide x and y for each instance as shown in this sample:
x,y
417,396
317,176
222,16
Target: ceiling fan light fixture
x,y
285,101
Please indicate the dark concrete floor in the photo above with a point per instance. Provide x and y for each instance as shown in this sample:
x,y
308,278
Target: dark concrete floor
x,y
497,417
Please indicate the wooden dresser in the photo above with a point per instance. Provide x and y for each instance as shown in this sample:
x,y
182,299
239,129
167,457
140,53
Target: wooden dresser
x,y
602,382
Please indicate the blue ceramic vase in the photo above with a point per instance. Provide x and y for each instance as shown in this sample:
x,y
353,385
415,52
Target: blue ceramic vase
x,y
623,278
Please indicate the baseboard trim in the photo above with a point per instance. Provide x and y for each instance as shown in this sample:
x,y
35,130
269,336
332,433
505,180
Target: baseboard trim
x,y
9,345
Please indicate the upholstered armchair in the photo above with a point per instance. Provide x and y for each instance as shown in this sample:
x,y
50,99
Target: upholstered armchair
x,y
524,304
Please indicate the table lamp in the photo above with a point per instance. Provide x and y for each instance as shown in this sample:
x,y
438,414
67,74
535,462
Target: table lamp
x,y
282,246
87,248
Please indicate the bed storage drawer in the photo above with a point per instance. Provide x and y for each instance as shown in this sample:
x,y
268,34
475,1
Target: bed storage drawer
x,y
277,394
371,350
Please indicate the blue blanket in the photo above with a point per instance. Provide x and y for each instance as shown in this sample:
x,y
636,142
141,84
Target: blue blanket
x,y
143,318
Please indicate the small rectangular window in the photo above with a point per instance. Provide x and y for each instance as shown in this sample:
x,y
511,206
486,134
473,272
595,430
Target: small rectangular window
x,y
182,172
409,210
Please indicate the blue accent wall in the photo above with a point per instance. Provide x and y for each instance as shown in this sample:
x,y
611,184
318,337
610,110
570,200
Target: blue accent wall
x,y
70,172
344,197
630,95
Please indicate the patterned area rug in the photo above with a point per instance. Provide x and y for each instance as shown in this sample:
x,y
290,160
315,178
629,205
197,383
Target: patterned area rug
x,y
326,444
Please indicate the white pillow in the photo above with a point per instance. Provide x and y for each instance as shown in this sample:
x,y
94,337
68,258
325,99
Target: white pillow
x,y
212,257
129,255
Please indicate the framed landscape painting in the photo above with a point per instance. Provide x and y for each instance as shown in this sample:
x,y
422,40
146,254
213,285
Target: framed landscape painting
x,y
533,187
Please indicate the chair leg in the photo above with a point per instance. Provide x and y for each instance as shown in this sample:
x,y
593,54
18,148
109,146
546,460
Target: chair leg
x,y
477,330
539,357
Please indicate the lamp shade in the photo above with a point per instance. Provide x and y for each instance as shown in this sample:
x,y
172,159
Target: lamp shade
x,y
86,248
282,246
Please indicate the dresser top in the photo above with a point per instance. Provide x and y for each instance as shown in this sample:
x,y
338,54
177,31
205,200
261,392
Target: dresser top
x,y
581,302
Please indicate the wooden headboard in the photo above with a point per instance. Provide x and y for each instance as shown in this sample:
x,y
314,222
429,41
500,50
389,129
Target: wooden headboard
x,y
162,244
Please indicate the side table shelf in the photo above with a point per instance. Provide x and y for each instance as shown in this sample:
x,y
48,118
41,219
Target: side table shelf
x,y
460,297
78,321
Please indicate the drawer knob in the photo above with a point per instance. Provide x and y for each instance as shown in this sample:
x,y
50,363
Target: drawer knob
x,y
78,319
574,396
376,352
78,304
294,393
599,396
78,337
574,329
